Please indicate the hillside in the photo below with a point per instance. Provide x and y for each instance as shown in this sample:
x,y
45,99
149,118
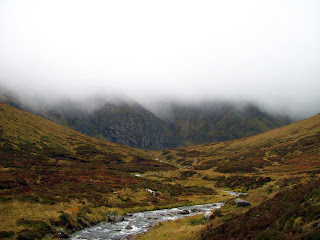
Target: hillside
x,y
279,170
289,147
220,121
127,122
52,176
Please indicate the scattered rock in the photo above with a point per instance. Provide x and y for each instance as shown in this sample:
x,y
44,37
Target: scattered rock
x,y
242,203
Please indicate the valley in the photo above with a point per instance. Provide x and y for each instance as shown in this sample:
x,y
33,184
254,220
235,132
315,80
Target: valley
x,y
159,120
55,181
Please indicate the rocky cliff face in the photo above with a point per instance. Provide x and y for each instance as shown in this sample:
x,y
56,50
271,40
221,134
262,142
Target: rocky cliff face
x,y
125,123
129,123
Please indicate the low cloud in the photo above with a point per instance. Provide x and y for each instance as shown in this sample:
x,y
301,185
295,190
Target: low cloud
x,y
264,52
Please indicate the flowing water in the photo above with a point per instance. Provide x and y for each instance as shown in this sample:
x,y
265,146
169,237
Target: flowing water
x,y
140,222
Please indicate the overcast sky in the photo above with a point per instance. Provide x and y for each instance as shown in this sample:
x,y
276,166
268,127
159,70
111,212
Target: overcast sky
x,y
265,51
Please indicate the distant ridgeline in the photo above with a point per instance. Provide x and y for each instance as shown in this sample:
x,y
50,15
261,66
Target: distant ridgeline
x,y
129,123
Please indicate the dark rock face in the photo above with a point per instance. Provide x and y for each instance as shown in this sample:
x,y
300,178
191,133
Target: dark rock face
x,y
133,125
242,203
128,124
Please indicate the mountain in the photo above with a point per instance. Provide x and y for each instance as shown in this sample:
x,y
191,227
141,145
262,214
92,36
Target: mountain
x,y
218,121
120,121
127,122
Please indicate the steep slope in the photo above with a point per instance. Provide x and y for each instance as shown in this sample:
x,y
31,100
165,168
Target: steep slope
x,y
290,214
53,177
31,145
278,169
217,122
120,121
124,123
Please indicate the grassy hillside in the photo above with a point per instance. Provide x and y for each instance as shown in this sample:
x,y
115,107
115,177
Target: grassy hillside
x,y
278,169
52,177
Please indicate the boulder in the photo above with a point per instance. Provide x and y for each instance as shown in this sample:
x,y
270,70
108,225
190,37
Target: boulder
x,y
128,227
184,212
151,191
242,203
114,217
207,215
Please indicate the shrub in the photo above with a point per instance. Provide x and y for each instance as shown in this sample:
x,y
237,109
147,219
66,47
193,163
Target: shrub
x,y
5,234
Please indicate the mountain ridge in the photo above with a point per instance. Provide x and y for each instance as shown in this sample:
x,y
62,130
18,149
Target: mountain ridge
x,y
128,122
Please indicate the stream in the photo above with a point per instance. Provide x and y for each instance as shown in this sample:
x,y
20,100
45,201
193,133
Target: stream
x,y
140,222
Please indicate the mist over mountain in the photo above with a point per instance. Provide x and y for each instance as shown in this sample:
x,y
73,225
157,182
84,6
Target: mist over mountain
x,y
128,113
215,121
265,53
152,76
170,124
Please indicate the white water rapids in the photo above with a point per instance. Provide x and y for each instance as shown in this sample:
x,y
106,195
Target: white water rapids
x,y
139,222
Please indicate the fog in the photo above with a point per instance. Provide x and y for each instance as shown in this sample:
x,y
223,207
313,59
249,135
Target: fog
x,y
266,52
